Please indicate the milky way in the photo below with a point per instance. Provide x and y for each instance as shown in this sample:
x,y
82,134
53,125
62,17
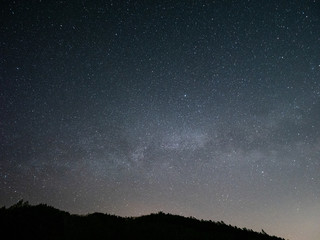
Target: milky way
x,y
208,109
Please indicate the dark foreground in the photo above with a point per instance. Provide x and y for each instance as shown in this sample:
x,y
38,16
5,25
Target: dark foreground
x,y
22,221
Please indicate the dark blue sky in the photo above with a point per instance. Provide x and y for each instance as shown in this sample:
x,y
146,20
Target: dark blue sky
x,y
201,108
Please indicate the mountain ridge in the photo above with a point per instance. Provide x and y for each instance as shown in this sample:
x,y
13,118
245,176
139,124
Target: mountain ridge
x,y
24,221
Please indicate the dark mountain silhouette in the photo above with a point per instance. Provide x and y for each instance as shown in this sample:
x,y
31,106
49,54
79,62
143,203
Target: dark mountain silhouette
x,y
23,221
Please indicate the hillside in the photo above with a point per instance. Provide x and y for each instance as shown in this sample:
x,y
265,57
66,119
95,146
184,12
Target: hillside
x,y
23,221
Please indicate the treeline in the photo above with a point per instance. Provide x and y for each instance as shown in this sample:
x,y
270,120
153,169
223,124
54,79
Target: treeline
x,y
23,221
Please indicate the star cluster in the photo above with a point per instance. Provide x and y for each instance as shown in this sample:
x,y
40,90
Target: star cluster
x,y
201,108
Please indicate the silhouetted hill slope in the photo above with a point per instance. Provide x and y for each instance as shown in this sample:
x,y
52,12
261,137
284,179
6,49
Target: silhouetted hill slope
x,y
22,221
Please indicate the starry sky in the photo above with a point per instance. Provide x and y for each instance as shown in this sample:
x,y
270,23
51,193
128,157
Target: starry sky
x,y
199,108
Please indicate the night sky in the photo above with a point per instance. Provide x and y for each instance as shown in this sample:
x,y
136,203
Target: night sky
x,y
199,108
